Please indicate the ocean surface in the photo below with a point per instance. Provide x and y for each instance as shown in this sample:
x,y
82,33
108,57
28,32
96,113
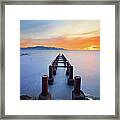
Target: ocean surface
x,y
35,63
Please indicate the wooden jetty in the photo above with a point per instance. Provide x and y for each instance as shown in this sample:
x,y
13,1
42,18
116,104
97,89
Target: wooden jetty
x,y
76,93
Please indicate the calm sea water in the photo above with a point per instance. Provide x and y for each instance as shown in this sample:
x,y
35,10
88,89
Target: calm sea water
x,y
35,64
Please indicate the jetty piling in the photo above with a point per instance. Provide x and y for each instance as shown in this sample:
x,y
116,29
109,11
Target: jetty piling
x,y
60,58
77,84
44,85
77,93
45,95
54,70
70,78
68,65
51,79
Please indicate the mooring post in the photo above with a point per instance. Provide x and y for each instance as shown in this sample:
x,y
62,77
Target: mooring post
x,y
51,79
70,79
77,94
45,95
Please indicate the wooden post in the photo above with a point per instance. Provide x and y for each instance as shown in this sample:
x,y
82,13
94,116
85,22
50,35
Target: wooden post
x,y
77,84
51,79
63,57
77,93
50,71
70,79
67,71
57,57
54,70
55,64
65,62
71,72
44,85
45,95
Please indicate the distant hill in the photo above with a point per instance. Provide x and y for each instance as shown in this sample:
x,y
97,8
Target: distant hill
x,y
41,48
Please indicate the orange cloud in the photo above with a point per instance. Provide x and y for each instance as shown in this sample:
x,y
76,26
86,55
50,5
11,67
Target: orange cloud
x,y
78,43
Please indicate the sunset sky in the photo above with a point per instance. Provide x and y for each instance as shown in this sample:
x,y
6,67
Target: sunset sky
x,y
67,34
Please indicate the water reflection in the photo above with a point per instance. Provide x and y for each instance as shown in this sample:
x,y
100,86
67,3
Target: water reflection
x,y
33,66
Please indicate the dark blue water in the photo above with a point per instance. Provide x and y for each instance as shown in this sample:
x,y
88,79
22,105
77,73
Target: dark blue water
x,y
35,64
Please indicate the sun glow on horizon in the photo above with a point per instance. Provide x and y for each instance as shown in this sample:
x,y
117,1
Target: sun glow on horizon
x,y
68,34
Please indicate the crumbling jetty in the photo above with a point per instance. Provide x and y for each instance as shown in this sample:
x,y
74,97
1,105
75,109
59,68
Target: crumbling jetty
x,y
76,93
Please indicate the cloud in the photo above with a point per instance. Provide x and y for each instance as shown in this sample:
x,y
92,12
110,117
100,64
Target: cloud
x,y
68,34
54,28
74,44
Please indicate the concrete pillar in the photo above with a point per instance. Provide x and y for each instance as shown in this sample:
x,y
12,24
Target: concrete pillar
x,y
45,95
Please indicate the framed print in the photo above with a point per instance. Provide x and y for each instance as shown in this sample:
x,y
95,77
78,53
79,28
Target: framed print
x,y
60,59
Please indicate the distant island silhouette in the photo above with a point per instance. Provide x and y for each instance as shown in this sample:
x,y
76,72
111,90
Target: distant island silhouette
x,y
42,48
